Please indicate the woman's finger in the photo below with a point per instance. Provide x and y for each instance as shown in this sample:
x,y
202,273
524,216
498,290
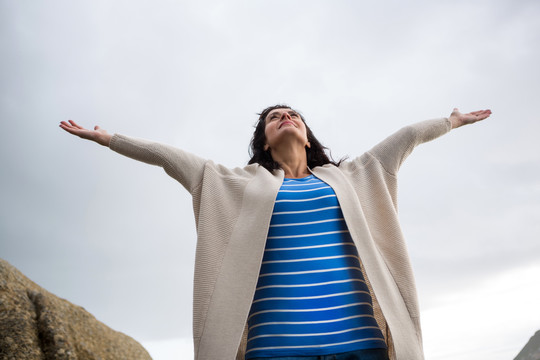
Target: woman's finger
x,y
70,129
481,112
76,125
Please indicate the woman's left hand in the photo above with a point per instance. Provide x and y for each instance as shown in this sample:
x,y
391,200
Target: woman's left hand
x,y
458,119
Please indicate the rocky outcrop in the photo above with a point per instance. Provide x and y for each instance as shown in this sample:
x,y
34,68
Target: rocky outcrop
x,y
37,325
531,351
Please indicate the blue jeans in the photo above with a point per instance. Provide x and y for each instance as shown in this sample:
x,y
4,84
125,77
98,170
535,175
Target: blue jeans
x,y
367,354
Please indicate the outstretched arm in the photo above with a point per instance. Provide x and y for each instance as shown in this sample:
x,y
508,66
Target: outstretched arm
x,y
97,135
392,151
183,166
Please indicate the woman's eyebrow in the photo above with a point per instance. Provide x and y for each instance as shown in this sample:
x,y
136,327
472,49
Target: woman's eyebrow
x,y
273,114
278,113
290,112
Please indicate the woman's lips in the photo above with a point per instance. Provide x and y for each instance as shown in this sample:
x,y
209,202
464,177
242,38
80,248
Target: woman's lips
x,y
285,122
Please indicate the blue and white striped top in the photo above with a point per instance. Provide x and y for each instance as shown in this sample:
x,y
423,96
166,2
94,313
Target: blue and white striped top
x,y
311,297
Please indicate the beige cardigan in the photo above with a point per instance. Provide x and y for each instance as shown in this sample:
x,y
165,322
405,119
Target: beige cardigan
x,y
232,212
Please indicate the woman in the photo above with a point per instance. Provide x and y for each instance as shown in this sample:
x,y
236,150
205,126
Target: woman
x,y
298,256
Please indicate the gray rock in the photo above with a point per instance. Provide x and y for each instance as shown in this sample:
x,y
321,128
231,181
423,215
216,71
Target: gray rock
x,y
531,351
35,324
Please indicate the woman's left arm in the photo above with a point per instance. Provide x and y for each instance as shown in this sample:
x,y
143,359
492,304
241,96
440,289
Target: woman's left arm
x,y
392,151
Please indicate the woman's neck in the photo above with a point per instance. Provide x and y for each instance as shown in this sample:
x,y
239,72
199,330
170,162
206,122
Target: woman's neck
x,y
298,174
293,161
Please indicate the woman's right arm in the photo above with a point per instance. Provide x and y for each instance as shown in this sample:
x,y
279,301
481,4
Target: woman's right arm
x,y
181,165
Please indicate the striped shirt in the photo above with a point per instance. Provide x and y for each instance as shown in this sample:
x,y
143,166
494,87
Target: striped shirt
x,y
311,298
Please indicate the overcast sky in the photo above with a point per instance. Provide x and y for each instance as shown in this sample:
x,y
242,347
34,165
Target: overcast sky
x,y
118,238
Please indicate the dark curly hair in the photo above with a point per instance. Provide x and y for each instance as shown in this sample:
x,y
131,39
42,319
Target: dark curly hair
x,y
316,154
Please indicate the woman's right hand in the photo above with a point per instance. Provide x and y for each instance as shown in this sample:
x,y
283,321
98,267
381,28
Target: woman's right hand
x,y
98,135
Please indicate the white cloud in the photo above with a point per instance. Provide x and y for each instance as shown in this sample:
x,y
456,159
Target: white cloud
x,y
492,320
170,349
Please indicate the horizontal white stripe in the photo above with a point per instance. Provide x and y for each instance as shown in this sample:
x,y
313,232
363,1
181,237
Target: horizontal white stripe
x,y
311,271
304,183
311,297
308,223
309,259
313,346
310,247
314,334
311,322
309,177
307,235
305,211
310,285
305,190
310,310
305,200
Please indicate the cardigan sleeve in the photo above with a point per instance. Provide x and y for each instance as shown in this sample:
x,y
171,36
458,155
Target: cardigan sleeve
x,y
181,165
392,151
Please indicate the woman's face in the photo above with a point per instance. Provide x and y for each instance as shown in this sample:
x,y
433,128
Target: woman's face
x,y
284,125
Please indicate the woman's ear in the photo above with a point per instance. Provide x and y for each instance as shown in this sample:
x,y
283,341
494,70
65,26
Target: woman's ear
x,y
308,144
266,147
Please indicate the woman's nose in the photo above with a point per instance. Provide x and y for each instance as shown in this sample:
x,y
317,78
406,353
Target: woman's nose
x,y
285,115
